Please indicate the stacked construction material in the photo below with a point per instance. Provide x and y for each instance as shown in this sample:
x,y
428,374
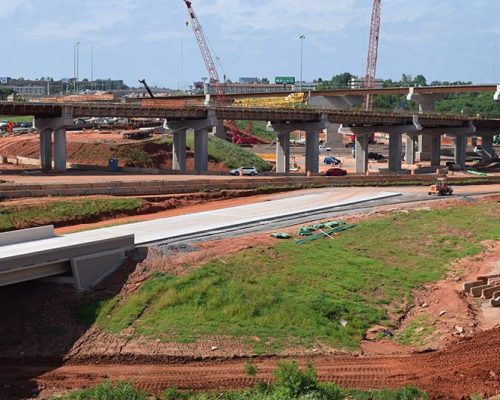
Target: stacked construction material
x,y
486,287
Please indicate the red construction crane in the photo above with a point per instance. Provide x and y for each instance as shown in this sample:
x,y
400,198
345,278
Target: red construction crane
x,y
234,134
205,50
371,63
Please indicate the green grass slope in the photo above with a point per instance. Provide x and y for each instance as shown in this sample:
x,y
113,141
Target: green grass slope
x,y
300,295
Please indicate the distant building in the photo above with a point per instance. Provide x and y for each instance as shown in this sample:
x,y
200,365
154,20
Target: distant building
x,y
359,83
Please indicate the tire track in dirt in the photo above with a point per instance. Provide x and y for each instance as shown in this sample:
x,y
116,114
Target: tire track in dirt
x,y
466,367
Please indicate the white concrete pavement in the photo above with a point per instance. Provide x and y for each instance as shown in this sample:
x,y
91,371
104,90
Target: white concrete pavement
x,y
168,228
91,255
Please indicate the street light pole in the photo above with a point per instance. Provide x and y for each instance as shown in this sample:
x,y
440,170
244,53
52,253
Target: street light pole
x,y
77,64
92,67
301,37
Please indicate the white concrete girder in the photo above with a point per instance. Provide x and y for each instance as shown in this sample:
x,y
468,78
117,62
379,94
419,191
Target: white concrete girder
x,y
337,102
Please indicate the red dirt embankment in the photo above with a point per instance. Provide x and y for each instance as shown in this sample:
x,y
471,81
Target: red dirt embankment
x,y
98,152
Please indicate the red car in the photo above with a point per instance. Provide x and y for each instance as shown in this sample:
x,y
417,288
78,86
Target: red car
x,y
335,172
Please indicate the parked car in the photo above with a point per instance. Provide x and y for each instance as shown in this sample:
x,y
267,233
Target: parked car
x,y
323,148
375,156
335,172
330,160
252,171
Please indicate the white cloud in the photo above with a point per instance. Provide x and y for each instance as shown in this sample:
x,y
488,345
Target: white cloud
x,y
95,17
7,7
235,15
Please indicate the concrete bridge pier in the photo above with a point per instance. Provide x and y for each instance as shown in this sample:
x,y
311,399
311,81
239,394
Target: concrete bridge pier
x,y
283,153
411,148
46,126
179,150
202,129
460,149
201,150
347,102
312,150
426,105
60,149
46,149
496,96
395,152
487,146
436,150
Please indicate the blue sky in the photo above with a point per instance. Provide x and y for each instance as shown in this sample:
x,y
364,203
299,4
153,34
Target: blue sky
x,y
133,39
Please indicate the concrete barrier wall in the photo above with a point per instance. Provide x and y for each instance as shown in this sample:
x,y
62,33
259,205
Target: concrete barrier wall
x,y
27,235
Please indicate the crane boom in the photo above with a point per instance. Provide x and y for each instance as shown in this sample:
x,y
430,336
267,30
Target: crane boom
x,y
205,50
371,64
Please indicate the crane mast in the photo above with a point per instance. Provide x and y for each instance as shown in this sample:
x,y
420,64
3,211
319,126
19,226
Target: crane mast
x,y
205,50
371,64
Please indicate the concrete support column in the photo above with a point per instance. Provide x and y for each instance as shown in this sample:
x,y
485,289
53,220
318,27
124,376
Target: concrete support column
x,y
411,149
283,153
436,150
201,150
395,148
312,151
460,147
60,149
361,153
487,148
219,130
46,149
179,151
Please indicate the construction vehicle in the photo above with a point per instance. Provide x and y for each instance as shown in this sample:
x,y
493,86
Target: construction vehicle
x,y
441,188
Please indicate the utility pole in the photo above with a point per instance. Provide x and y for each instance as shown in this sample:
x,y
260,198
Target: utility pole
x,y
301,37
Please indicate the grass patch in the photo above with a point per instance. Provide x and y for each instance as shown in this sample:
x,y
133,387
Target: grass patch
x,y
290,383
259,129
16,119
60,212
417,332
294,295
229,154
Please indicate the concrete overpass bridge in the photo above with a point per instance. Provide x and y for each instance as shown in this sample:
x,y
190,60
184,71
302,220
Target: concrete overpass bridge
x,y
58,117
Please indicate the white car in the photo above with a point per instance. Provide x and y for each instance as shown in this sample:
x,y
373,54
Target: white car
x,y
252,171
322,148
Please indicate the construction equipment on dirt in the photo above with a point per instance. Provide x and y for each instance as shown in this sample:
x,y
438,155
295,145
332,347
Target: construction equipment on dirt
x,y
326,229
485,287
138,135
441,188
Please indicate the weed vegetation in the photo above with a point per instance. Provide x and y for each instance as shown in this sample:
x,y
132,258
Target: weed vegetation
x,y
231,155
290,384
324,292
57,212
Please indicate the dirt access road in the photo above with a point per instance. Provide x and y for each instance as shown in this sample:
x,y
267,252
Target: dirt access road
x,y
467,367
